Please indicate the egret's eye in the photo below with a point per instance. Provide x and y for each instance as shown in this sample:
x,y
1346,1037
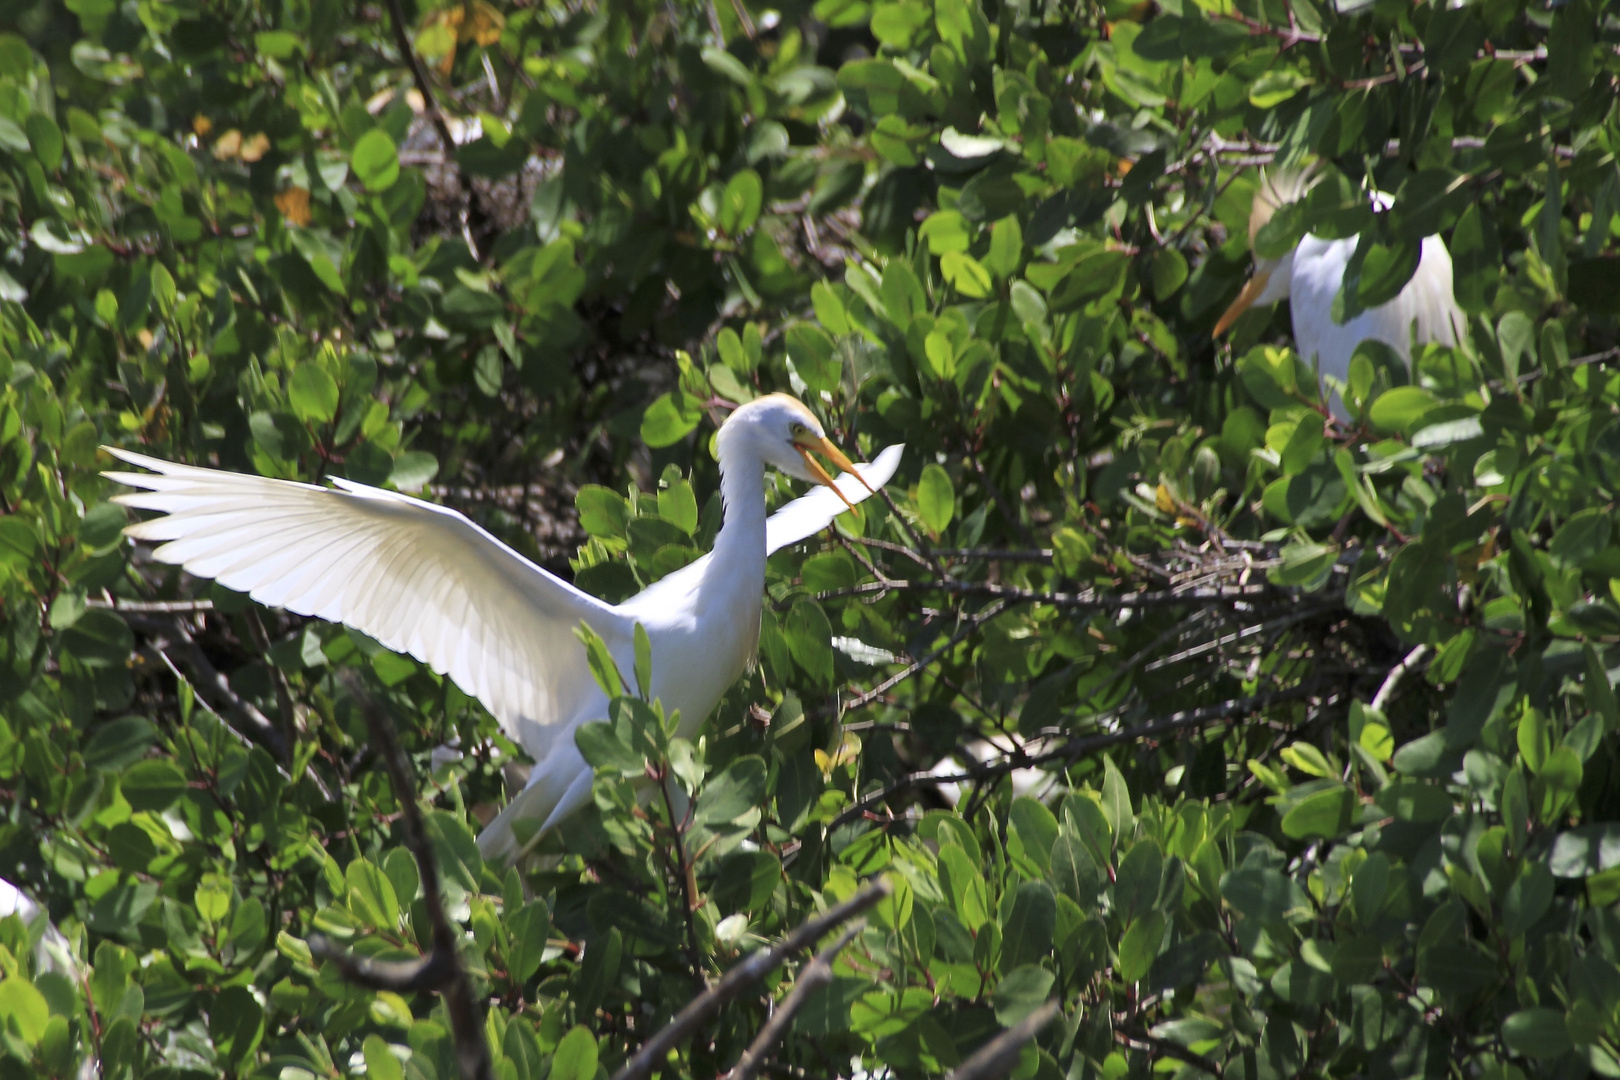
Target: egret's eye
x,y
799,429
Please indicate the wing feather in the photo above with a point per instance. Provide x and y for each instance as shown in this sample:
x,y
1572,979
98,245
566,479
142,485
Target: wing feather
x,y
809,514
419,578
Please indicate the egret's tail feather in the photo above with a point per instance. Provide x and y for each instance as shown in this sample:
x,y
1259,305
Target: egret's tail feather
x,y
515,827
557,787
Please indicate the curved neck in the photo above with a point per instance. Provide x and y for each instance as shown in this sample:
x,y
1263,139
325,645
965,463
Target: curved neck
x,y
741,540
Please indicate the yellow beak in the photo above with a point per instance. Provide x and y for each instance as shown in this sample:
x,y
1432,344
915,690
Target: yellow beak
x,y
825,447
1251,292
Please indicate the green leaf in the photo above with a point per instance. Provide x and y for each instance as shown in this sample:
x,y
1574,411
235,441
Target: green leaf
x,y
527,930
669,419
1140,947
313,393
604,668
575,1057
1026,932
1275,87
413,470
375,160
23,1010
153,785
813,356
381,1064
1075,871
602,511
809,640
1527,900
1006,248
1537,1033
1570,65
1263,895
1399,408
945,231
1020,992
740,202
277,44
1169,272
46,139
643,664
1116,801
599,744
371,895
99,639
119,743
1385,270
235,1023
966,275
19,544
732,794
936,498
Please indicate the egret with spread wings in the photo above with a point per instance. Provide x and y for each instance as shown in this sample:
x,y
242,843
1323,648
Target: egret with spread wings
x,y
1310,276
423,579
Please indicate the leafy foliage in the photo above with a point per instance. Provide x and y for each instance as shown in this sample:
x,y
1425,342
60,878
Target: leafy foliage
x,y
1267,744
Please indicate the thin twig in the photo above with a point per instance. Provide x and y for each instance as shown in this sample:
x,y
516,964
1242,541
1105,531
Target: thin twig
x,y
249,720
1153,1044
655,1050
152,607
1238,635
1387,689
816,973
442,969
1087,600
997,1057
683,870
430,103
916,540
1079,747
962,631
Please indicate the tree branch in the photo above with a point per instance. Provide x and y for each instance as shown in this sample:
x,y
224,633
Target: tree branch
x,y
1089,601
249,720
1079,747
442,970
996,1058
402,41
816,973
752,969
1386,690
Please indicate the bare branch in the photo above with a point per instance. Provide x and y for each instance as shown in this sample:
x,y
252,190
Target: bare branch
x,y
402,41
996,1058
1079,747
817,972
759,964
217,688
962,631
152,607
1387,689
442,970
1088,601
1153,1044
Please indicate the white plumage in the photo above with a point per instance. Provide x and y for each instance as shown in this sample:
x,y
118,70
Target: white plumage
x,y
1311,275
423,579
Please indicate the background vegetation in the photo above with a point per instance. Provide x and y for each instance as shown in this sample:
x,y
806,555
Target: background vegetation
x,y
1270,746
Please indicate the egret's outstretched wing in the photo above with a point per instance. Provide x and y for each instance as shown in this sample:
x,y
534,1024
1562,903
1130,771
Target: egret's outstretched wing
x,y
809,514
420,578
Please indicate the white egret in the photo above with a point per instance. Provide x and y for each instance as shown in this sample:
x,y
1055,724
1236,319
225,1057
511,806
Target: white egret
x,y
1309,277
422,579
52,952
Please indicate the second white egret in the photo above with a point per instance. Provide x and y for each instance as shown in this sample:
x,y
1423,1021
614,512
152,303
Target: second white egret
x,y
1310,276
